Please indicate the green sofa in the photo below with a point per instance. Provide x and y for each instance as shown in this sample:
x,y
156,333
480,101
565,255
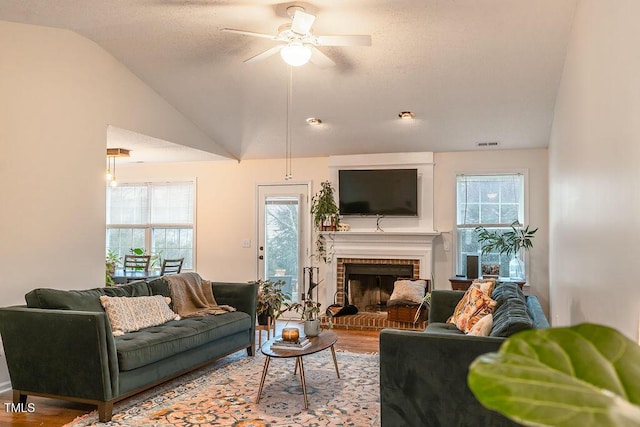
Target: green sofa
x,y
423,374
60,344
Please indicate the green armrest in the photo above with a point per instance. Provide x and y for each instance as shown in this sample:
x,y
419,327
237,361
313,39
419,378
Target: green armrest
x,y
242,296
423,380
60,352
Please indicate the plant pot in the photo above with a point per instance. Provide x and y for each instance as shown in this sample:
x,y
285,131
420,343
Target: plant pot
x,y
312,328
263,318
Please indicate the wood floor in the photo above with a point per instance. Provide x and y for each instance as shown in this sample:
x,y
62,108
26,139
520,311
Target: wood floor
x,y
52,412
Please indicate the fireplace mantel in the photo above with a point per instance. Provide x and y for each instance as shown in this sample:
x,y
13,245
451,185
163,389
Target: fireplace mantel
x,y
371,244
384,236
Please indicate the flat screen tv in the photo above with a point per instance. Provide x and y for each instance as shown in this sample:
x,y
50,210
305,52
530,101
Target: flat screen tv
x,y
387,192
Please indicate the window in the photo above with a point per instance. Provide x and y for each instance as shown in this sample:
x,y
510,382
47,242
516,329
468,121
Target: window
x,y
154,215
492,201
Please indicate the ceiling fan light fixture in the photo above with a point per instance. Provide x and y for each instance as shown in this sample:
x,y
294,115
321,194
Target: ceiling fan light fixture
x,y
295,54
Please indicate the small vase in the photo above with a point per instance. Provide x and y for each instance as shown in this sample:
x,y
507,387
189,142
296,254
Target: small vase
x,y
516,268
312,328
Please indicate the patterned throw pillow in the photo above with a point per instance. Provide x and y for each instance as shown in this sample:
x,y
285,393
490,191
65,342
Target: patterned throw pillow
x,y
474,305
128,314
409,290
482,328
486,285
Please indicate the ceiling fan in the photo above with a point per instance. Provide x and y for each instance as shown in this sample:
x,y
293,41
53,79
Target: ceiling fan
x,y
297,45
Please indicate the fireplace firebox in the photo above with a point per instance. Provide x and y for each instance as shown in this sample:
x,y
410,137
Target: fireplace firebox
x,y
368,286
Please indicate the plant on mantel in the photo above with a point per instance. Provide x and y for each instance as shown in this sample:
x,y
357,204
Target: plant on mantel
x,y
326,217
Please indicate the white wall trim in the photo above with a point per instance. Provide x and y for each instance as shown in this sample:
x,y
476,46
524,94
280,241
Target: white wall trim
x,y
5,386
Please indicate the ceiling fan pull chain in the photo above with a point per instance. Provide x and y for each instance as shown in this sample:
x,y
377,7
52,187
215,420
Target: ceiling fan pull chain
x,y
288,175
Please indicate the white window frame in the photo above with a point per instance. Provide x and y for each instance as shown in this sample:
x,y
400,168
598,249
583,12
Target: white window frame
x,y
148,227
456,264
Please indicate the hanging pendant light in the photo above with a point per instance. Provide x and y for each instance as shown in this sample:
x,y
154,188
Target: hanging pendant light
x,y
114,181
112,153
109,174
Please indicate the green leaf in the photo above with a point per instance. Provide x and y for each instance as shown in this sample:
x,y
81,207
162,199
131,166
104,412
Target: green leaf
x,y
584,375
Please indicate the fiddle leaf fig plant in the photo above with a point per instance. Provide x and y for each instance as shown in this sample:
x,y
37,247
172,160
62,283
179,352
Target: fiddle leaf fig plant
x,y
584,375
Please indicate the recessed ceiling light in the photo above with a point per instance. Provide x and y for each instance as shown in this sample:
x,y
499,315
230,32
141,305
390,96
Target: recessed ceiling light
x,y
313,121
406,115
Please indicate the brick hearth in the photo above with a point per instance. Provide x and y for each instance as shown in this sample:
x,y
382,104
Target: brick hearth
x,y
369,320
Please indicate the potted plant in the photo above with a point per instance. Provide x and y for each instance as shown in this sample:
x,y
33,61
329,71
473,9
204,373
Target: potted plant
x,y
154,261
309,311
111,262
326,217
509,243
271,299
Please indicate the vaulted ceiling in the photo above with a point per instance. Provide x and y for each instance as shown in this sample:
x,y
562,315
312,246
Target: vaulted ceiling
x,y
471,70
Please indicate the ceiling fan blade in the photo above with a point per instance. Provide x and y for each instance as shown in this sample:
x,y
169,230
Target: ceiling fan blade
x,y
320,59
302,22
267,53
347,40
249,33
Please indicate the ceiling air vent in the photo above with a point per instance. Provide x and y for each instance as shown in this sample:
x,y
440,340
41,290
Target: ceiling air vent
x,y
488,144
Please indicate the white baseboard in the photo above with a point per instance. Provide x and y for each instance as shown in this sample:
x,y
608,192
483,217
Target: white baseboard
x,y
5,386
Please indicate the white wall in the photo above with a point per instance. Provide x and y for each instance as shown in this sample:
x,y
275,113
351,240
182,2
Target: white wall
x,y
59,92
226,206
594,163
226,212
448,165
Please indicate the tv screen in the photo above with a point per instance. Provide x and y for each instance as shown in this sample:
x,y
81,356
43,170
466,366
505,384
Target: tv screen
x,y
388,192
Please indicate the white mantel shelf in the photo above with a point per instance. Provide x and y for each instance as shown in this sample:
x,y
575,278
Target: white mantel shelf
x,y
383,236
399,243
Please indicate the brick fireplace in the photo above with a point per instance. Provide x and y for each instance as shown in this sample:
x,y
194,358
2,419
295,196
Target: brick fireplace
x,y
405,241
389,255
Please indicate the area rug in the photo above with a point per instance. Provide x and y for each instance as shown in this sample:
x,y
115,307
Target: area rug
x,y
224,394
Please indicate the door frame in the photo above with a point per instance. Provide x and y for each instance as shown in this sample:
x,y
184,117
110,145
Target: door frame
x,y
305,219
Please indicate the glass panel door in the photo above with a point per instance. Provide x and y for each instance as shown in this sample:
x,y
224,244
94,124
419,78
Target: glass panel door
x,y
283,228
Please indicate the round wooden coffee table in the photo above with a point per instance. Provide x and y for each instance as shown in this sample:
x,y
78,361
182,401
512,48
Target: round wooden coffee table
x,y
325,340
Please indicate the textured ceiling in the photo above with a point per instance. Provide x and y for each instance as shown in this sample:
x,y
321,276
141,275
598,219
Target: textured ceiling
x,y
471,70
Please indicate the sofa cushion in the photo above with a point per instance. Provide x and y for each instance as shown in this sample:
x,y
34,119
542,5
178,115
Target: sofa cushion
x,y
81,300
482,328
506,290
149,345
133,289
443,328
486,285
409,290
510,317
159,286
128,314
85,300
474,305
